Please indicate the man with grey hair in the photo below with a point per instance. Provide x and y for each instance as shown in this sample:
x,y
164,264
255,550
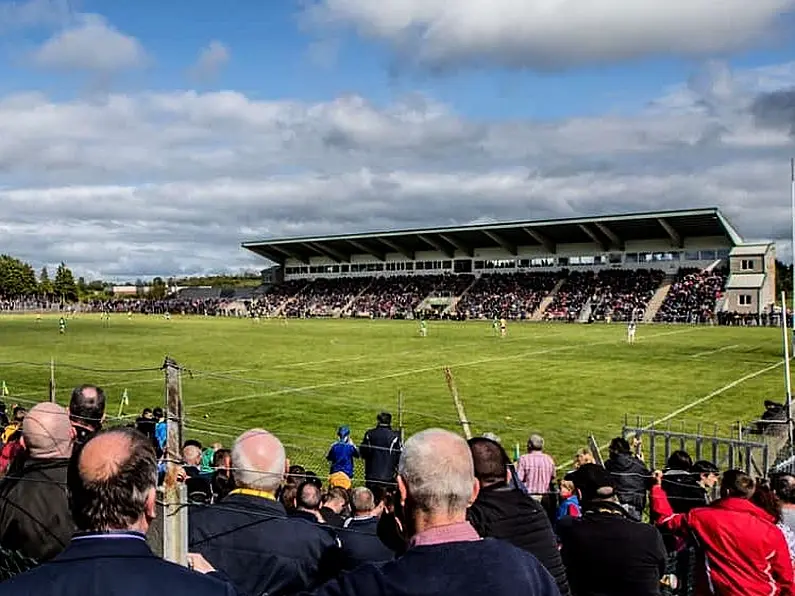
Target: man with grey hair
x,y
360,541
536,470
34,508
248,535
436,482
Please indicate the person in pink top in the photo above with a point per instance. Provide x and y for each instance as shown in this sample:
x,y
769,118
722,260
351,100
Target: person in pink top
x,y
536,469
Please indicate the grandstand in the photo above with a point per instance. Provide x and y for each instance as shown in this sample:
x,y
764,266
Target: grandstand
x,y
671,266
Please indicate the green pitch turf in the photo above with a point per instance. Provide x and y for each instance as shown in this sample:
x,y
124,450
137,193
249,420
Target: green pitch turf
x,y
301,379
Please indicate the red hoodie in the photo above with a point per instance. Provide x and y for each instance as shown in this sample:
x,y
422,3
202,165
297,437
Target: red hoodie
x,y
743,551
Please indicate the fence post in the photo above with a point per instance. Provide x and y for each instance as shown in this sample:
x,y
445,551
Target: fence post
x,y
400,417
462,417
52,380
175,514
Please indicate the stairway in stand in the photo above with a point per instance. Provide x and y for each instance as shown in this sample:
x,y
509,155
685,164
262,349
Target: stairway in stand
x,y
542,308
657,300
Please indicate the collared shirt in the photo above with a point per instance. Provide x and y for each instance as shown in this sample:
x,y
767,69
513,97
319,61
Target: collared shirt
x,y
460,532
109,535
536,470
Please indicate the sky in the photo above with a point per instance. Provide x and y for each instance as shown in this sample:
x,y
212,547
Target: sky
x,y
152,138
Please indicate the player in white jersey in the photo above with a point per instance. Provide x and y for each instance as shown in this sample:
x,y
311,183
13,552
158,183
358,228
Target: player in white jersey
x,y
503,327
423,328
631,332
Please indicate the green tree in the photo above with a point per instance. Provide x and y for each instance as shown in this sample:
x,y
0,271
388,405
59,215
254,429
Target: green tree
x,y
17,278
65,286
158,290
45,285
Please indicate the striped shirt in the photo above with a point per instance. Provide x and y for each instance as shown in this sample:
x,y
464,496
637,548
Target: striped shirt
x,y
536,470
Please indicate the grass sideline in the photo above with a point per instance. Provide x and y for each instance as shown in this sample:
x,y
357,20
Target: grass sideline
x,y
301,379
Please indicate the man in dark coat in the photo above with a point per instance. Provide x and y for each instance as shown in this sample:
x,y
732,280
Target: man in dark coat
x,y
34,508
360,541
113,500
605,551
248,535
503,512
437,483
630,477
380,450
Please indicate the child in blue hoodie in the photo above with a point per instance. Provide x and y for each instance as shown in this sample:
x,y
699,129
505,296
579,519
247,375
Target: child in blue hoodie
x,y
570,503
342,452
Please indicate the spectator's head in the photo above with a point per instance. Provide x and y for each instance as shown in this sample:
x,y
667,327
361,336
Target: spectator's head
x,y
222,460
19,414
566,488
535,443
193,443
147,413
582,457
158,414
680,460
340,480
363,502
709,474
619,446
87,407
47,432
308,497
336,499
191,455
312,477
436,479
384,419
492,437
343,433
736,483
258,459
295,475
490,461
765,498
593,484
114,483
784,486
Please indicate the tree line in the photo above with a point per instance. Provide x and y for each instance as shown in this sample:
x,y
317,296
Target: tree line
x,y
19,280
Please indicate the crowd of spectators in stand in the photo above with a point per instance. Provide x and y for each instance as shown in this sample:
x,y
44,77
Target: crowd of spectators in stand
x,y
693,296
436,515
326,297
398,297
622,295
507,295
571,297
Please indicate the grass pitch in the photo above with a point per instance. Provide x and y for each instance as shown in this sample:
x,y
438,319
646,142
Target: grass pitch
x,y
301,379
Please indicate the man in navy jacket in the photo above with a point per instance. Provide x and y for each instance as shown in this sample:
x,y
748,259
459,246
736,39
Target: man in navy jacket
x,y
436,480
113,502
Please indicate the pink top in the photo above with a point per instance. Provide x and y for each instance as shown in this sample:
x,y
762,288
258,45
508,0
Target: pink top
x,y
536,470
462,532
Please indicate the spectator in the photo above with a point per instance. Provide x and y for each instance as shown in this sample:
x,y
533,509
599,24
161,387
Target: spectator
x,y
342,453
569,501
161,431
145,424
18,415
307,503
334,506
606,551
582,457
501,511
222,481
12,451
743,551
87,412
3,415
113,499
765,498
446,556
191,458
34,509
630,477
708,477
536,469
784,486
380,450
681,483
249,536
360,543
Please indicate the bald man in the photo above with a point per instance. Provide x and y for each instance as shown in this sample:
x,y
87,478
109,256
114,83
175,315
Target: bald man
x,y
113,502
248,535
436,482
34,510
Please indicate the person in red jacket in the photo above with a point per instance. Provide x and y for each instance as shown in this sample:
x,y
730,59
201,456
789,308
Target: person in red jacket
x,y
742,551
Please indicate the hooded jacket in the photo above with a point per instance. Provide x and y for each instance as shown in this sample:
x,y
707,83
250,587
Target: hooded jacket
x,y
631,479
742,552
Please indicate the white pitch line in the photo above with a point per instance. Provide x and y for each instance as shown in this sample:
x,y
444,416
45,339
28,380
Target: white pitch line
x,y
697,402
723,349
405,373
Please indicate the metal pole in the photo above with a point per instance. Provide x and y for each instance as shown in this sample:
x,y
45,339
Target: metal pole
x,y
175,522
792,215
787,378
52,380
400,416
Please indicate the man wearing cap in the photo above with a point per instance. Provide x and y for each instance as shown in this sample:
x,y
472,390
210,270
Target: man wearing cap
x,y
605,551
380,450
342,453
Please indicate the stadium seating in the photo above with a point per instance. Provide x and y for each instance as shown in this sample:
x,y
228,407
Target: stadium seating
x,y
572,296
509,295
623,295
693,296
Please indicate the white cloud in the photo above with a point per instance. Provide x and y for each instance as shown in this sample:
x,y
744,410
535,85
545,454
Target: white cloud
x,y
93,46
34,13
550,34
212,59
162,183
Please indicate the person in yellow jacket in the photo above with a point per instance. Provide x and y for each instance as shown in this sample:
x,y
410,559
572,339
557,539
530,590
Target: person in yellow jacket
x,y
15,425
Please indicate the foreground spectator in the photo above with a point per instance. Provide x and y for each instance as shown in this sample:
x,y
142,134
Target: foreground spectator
x,y
630,476
784,486
360,541
606,551
437,483
307,503
503,512
380,450
113,498
87,412
743,551
34,509
249,537
536,469
334,506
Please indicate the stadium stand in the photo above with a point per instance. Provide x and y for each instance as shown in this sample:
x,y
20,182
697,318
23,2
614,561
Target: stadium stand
x,y
623,295
572,297
508,295
693,296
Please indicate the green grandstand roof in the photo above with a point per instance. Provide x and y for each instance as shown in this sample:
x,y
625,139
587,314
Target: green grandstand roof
x,y
611,231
